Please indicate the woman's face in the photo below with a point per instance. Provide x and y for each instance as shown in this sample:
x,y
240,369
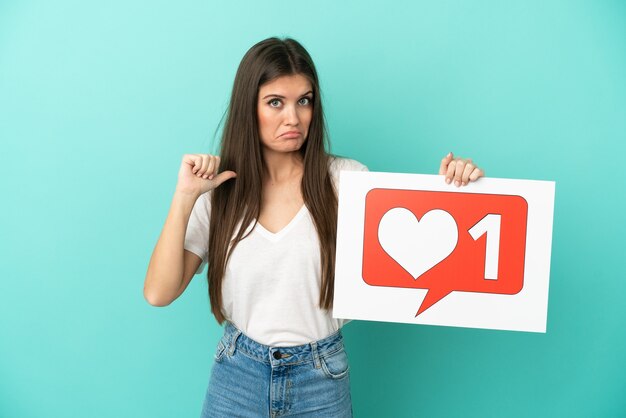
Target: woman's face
x,y
284,111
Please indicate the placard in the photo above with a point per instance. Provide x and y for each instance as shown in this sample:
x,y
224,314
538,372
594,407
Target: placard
x,y
413,249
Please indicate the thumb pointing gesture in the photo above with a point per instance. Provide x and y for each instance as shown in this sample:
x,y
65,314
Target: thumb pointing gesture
x,y
198,174
215,180
222,177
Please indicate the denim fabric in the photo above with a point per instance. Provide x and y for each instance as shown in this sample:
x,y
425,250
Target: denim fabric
x,y
249,379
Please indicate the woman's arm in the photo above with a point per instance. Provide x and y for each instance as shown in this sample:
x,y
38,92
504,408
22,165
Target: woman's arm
x,y
171,267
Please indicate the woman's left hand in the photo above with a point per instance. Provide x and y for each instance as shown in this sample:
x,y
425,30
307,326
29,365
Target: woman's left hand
x,y
462,171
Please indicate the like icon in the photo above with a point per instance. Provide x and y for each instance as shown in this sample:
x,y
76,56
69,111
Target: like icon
x,y
444,242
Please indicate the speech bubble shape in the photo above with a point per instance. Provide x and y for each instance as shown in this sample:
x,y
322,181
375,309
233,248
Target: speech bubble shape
x,y
488,256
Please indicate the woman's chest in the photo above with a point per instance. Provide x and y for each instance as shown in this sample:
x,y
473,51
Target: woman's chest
x,y
262,255
279,206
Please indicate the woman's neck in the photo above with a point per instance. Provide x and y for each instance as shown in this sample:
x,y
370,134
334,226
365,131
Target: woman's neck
x,y
282,167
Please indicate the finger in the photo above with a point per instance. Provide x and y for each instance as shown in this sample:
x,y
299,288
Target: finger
x,y
450,171
476,174
210,167
205,165
469,167
458,172
217,167
443,167
223,176
194,161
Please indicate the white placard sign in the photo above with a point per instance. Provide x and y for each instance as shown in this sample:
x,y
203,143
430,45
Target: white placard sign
x,y
413,249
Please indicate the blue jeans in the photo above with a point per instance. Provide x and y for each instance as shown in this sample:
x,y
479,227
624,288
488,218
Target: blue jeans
x,y
249,379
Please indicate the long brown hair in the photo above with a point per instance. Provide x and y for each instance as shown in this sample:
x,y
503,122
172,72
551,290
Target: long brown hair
x,y
238,202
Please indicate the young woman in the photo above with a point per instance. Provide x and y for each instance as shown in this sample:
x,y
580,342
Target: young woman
x,y
263,216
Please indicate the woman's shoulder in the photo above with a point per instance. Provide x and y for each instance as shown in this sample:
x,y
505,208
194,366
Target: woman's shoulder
x,y
339,163
203,203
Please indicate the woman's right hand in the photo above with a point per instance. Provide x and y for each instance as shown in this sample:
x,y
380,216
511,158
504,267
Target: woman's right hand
x,y
197,174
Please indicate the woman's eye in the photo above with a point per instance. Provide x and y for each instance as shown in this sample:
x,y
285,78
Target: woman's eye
x,y
274,102
305,101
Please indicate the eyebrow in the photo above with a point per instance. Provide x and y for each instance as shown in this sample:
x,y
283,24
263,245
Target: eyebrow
x,y
282,97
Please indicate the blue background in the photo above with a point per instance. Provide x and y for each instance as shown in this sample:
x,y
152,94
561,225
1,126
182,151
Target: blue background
x,y
100,100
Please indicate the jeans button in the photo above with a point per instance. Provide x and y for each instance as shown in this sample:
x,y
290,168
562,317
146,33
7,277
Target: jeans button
x,y
277,355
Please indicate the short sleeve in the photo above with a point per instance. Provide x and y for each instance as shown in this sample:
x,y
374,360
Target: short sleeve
x,y
339,164
197,234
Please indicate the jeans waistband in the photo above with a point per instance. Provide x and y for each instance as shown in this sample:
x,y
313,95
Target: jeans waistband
x,y
235,339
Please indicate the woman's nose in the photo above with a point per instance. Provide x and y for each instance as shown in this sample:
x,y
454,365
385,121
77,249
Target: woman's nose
x,y
291,116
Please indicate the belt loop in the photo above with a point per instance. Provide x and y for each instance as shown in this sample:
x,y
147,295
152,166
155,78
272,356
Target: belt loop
x,y
316,358
233,341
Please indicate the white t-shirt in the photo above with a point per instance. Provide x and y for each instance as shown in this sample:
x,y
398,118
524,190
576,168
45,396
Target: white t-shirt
x,y
272,283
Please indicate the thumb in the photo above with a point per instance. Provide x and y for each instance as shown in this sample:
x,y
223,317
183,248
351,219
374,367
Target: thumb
x,y
443,168
223,176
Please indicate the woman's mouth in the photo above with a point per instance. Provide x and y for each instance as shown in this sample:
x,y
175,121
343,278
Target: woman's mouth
x,y
290,134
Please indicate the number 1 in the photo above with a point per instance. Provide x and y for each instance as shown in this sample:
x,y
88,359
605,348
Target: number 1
x,y
489,225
